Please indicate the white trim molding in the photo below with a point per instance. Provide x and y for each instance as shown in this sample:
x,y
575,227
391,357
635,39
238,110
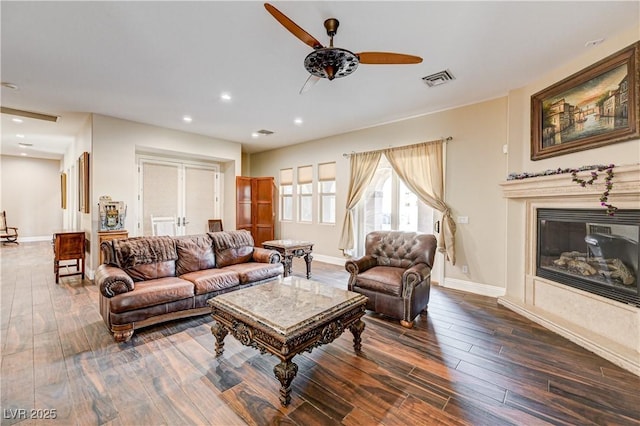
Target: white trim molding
x,y
473,287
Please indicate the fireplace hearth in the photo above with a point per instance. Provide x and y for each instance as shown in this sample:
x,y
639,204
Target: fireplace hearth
x,y
591,251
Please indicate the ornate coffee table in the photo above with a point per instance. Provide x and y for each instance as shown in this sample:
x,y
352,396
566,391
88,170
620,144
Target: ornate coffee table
x,y
286,317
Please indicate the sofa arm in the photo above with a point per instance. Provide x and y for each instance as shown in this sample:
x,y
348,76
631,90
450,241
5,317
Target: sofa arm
x,y
112,280
264,255
356,266
414,276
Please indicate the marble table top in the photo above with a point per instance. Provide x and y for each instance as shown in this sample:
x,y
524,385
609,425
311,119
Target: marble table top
x,y
288,304
286,243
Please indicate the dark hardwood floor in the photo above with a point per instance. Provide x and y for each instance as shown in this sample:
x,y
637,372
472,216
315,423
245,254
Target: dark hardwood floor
x,y
469,361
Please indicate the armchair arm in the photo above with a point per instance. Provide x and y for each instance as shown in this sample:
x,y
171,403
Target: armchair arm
x,y
413,277
264,255
355,266
112,280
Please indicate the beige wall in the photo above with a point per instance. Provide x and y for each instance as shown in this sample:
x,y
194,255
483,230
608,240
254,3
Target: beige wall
x,y
475,165
31,196
116,142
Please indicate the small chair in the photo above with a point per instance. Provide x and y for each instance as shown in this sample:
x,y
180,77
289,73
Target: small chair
x,y
215,225
8,233
165,226
394,273
69,246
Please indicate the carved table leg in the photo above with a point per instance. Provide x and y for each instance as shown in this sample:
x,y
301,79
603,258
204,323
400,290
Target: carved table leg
x,y
356,329
308,258
285,372
220,332
287,261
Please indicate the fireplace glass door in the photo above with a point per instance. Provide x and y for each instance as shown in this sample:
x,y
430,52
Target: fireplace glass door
x,y
591,251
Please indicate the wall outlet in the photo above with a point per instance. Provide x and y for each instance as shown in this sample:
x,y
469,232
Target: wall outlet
x,y
465,269
463,219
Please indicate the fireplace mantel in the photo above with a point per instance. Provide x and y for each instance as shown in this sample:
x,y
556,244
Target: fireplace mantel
x,y
626,181
608,328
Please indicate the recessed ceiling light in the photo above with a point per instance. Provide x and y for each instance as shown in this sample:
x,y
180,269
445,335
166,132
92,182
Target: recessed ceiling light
x,y
25,145
298,121
187,119
254,135
20,135
17,120
23,154
225,96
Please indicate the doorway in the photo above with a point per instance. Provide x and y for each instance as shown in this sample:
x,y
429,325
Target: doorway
x,y
186,191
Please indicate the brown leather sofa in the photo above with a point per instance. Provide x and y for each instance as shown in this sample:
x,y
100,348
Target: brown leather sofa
x,y
394,273
147,280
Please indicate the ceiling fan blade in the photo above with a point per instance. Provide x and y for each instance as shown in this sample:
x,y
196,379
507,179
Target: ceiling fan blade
x,y
293,27
311,81
387,58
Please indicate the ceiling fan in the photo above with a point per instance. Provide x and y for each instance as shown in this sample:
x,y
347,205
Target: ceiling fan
x,y
334,62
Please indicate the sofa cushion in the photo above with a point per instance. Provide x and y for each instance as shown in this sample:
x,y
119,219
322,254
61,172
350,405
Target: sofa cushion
x,y
195,253
210,280
146,258
256,271
151,293
382,279
232,247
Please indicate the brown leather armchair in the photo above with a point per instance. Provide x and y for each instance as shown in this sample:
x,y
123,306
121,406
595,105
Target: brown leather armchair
x,y
394,273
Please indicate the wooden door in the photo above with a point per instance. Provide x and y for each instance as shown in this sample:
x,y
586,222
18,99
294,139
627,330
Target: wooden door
x,y
263,196
243,204
255,210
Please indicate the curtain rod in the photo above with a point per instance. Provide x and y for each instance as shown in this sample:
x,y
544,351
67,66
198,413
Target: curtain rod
x,y
447,139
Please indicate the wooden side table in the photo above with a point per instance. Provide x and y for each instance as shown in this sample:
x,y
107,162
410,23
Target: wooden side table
x,y
68,245
289,249
110,235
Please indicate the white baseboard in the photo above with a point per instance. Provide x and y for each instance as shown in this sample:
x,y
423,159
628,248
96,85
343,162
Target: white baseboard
x,y
473,287
329,259
34,239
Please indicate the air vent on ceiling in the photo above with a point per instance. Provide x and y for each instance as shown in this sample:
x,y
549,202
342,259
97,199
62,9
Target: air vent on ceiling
x,y
438,78
265,132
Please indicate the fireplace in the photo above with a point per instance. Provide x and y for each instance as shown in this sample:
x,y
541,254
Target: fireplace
x,y
591,251
602,316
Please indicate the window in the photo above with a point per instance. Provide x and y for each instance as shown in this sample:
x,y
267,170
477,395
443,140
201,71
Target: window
x,y
389,205
327,192
305,194
286,194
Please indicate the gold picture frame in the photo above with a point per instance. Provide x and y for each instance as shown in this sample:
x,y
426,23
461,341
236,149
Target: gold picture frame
x,y
594,107
83,183
63,190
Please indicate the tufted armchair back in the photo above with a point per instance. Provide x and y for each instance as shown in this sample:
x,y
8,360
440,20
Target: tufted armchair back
x,y
400,249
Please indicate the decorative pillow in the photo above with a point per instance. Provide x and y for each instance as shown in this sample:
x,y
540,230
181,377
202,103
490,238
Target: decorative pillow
x,y
195,253
232,247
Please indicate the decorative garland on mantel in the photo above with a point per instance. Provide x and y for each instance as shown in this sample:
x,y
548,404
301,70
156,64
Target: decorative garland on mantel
x,y
608,184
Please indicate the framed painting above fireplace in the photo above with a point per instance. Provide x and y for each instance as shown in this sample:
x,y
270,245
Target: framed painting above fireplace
x,y
593,107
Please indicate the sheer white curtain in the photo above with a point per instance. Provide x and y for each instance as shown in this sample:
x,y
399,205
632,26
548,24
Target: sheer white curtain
x,y
363,167
421,169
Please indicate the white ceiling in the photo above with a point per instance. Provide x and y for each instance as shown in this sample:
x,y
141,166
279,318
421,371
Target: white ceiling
x,y
154,62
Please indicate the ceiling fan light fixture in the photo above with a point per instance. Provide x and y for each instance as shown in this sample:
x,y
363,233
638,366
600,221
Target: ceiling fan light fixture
x,y
331,62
